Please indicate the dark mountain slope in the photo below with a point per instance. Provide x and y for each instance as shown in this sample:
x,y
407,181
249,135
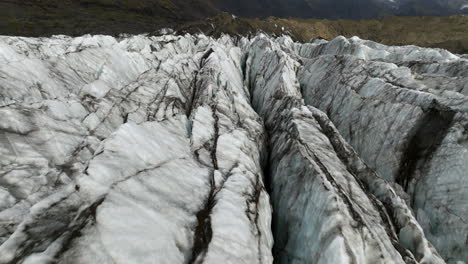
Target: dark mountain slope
x,y
432,7
78,17
74,17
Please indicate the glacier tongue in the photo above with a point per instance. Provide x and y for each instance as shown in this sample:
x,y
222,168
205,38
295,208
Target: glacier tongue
x,y
145,149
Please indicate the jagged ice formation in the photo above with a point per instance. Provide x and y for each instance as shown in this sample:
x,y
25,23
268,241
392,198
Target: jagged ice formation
x,y
189,149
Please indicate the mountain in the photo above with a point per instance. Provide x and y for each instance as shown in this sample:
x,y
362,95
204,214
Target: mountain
x,y
194,149
432,8
77,17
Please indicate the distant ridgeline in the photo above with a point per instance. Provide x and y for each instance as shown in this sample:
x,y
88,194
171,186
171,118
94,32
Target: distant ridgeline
x,y
78,17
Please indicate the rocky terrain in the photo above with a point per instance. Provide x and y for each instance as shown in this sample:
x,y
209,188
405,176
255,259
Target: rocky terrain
x,y
194,149
343,9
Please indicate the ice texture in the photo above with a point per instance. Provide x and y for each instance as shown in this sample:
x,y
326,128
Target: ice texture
x,y
194,149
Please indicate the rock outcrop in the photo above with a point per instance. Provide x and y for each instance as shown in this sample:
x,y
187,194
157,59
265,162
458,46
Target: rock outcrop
x,y
190,149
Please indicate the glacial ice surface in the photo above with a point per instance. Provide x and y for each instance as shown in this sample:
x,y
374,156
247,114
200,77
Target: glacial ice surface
x,y
193,149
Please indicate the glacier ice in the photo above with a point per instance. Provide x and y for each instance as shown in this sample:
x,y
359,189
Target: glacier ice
x,y
193,149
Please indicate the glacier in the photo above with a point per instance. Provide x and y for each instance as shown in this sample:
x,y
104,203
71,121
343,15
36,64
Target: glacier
x,y
194,149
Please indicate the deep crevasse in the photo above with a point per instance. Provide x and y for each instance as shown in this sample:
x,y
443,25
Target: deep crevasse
x,y
150,150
